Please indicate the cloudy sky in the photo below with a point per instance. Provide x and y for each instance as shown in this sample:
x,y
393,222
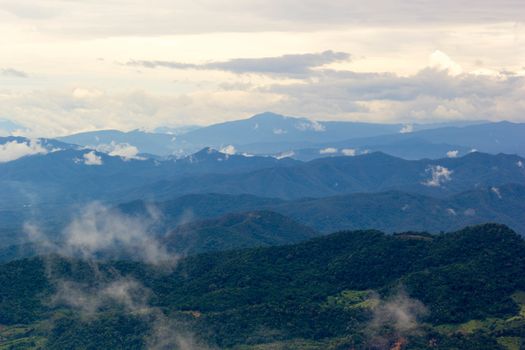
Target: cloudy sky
x,y
69,66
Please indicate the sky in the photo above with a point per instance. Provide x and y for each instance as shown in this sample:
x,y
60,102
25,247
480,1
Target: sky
x,y
68,66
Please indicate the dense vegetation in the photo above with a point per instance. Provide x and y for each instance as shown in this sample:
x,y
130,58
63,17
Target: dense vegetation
x,y
461,290
235,231
390,211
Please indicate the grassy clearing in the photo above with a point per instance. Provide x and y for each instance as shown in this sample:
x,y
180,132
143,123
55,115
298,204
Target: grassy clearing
x,y
510,343
353,299
20,337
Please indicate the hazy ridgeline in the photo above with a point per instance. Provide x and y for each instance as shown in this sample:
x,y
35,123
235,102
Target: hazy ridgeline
x,y
225,238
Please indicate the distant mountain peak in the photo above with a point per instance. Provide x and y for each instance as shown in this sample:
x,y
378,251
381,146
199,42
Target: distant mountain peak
x,y
206,152
209,154
270,116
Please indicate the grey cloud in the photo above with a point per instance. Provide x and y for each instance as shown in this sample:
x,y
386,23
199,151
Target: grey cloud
x,y
400,314
292,64
88,301
13,73
388,12
103,18
389,86
96,231
322,94
163,64
26,10
130,296
429,94
99,231
286,64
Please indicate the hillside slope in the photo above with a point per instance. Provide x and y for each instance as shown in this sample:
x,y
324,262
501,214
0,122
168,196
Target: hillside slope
x,y
236,231
335,292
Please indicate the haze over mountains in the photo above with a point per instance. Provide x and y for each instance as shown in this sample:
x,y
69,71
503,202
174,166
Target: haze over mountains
x,y
228,231
273,134
265,156
67,175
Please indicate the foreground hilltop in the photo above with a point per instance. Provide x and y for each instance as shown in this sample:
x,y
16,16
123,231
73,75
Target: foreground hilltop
x,y
352,289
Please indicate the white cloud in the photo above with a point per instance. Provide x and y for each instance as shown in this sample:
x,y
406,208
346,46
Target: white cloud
x,y
519,164
441,61
408,128
328,150
310,125
496,191
279,131
452,154
98,231
102,230
229,150
125,292
13,150
287,154
349,152
451,211
439,175
91,158
122,150
400,312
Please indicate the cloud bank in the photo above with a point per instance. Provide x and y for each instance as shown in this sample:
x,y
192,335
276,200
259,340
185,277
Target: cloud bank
x,y
432,94
97,18
12,73
14,150
122,150
291,64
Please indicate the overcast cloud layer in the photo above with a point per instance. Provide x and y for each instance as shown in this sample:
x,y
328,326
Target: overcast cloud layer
x,y
72,66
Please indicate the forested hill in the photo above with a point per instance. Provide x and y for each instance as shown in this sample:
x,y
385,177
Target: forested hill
x,y
341,291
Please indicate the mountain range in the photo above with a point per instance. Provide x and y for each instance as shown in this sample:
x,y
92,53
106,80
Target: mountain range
x,y
391,211
271,232
72,174
341,175
304,139
47,187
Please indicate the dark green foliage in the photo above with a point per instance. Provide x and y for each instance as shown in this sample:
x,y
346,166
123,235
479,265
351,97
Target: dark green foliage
x,y
20,285
113,331
235,231
390,211
280,293
478,341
